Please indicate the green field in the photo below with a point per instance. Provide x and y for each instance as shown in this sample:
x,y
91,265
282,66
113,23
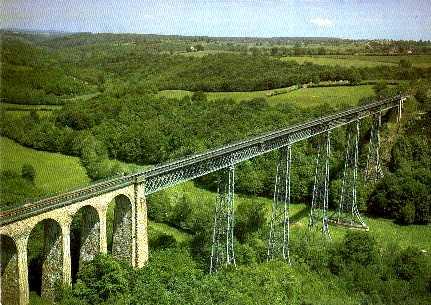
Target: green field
x,y
84,97
20,110
385,231
203,53
54,172
156,227
28,107
361,61
331,95
22,113
304,97
237,96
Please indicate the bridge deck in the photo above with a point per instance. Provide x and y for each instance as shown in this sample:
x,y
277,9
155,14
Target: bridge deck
x,y
198,165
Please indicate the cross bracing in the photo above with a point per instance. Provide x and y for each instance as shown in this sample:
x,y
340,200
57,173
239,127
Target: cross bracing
x,y
373,168
278,239
347,214
164,176
320,197
222,250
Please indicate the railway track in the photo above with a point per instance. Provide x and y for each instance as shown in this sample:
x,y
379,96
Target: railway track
x,y
162,171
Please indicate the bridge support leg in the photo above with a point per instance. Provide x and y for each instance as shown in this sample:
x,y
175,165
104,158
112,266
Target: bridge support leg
x,y
9,270
222,251
348,213
90,235
278,240
103,241
320,199
373,169
52,267
400,109
123,229
67,264
21,245
141,226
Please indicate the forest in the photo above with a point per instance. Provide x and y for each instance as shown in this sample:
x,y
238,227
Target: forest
x,y
52,74
110,114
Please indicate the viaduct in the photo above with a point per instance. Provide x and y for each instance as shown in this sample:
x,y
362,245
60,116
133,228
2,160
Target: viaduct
x,y
129,240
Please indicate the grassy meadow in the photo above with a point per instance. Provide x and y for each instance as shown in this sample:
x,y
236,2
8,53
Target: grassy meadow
x,y
54,172
304,97
361,61
26,107
385,231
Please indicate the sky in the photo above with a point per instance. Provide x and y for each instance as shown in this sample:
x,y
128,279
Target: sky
x,y
357,19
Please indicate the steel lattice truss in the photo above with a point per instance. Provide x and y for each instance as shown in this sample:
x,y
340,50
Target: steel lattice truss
x,y
348,214
278,240
166,175
373,169
222,251
320,199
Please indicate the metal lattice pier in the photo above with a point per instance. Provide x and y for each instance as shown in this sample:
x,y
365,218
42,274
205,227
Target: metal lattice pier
x,y
164,176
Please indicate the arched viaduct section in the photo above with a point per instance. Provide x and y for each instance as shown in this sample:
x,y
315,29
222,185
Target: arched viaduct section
x,y
129,241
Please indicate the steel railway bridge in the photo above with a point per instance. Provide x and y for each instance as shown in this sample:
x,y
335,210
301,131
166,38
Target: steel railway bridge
x,y
129,192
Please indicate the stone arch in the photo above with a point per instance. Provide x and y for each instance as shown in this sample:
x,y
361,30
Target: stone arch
x,y
45,258
9,271
119,228
85,237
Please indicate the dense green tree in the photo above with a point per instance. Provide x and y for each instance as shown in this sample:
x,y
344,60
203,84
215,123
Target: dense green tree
x,y
101,279
15,190
251,217
358,247
28,172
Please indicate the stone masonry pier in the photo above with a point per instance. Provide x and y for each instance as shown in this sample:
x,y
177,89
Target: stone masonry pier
x,y
129,241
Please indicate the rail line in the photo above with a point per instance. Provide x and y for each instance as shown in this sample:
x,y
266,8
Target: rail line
x,y
165,175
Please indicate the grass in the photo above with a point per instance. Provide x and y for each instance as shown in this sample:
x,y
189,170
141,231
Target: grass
x,y
20,110
22,113
385,231
179,236
332,95
83,98
315,288
54,172
362,61
28,107
333,61
237,96
204,53
304,97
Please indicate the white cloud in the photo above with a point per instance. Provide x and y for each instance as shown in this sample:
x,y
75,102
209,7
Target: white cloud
x,y
322,22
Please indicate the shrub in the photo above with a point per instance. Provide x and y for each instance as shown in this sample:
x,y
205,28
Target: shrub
x,y
162,241
199,96
244,254
28,172
409,264
182,212
407,215
15,190
101,279
250,217
159,207
358,247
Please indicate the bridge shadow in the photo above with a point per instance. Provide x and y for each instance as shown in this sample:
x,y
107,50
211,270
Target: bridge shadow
x,y
304,212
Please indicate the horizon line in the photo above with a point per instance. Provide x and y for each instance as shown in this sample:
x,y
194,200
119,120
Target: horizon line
x,y
11,29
